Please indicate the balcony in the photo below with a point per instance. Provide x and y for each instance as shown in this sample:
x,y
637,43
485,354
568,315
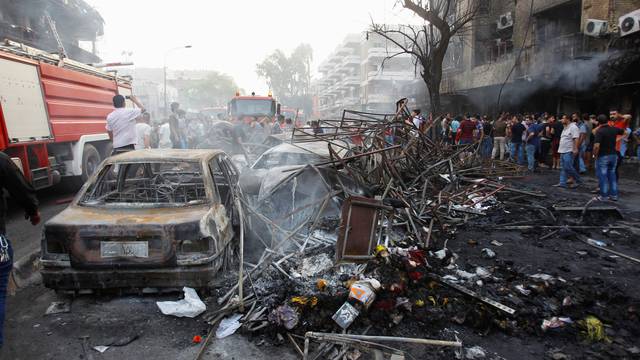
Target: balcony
x,y
351,60
390,75
379,99
351,80
378,53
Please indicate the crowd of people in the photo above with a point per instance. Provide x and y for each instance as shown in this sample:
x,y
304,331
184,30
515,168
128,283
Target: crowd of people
x,y
570,143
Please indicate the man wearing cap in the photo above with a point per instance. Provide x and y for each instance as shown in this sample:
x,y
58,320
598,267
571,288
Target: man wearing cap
x,y
121,124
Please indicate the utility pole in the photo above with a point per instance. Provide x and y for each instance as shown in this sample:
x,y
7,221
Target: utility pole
x,y
165,74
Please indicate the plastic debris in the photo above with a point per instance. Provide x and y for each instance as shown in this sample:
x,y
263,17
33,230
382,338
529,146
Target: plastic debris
x,y
58,307
364,291
305,300
522,290
100,348
465,275
191,306
475,352
592,329
482,272
596,242
284,315
345,315
555,322
441,254
488,253
321,284
228,326
196,339
496,243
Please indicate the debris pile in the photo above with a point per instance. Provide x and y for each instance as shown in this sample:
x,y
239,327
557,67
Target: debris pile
x,y
366,267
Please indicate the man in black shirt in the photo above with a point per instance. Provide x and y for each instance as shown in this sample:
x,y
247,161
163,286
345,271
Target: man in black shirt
x,y
11,179
604,151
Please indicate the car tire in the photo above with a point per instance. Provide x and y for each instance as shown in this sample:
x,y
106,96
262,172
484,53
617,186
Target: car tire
x,y
90,160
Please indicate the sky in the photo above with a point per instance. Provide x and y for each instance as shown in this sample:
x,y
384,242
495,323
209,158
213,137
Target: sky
x,y
231,36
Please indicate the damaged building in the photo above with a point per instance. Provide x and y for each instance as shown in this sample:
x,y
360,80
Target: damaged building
x,y
33,22
554,55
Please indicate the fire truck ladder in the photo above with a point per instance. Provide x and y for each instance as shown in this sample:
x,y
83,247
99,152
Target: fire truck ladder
x,y
54,31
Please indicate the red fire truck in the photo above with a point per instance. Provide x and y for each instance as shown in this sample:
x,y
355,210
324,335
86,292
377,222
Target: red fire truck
x,y
53,114
253,105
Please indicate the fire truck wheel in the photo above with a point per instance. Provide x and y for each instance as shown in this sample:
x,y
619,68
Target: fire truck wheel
x,y
107,150
90,161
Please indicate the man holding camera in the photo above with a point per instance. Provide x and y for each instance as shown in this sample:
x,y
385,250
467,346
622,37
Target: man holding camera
x,y
121,124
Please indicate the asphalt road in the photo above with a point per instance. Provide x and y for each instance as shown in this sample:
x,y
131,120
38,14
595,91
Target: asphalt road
x,y
25,238
30,334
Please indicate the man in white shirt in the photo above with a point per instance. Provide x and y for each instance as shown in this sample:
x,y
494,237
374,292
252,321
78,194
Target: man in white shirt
x,y
121,124
164,136
143,132
568,150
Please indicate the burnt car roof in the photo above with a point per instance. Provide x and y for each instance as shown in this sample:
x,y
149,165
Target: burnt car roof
x,y
164,155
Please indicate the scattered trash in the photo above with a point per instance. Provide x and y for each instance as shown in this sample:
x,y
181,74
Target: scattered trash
x,y
284,315
555,322
191,306
441,254
496,243
522,290
58,307
100,348
345,315
475,352
364,291
321,284
582,253
196,339
592,329
482,272
488,253
596,242
228,326
314,265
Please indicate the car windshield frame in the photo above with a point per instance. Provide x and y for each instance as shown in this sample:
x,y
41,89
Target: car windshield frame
x,y
239,111
146,186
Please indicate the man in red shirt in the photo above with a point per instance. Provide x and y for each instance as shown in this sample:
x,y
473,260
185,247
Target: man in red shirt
x,y
467,131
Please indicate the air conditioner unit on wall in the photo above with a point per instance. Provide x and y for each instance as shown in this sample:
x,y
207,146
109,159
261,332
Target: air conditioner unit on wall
x,y
629,23
505,21
595,28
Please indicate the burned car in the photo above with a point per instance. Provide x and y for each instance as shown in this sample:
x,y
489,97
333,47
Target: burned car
x,y
147,218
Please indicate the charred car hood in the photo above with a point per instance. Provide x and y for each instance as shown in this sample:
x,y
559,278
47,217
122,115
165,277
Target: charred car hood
x,y
87,216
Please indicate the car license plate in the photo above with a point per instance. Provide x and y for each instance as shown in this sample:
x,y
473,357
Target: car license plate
x,y
138,249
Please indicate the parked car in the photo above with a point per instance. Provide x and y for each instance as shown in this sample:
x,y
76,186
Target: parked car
x,y
146,218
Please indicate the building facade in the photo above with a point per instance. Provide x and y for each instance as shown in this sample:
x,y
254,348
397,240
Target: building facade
x,y
356,76
30,22
558,56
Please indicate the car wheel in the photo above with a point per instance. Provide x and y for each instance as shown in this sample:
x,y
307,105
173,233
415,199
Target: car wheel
x,y
90,161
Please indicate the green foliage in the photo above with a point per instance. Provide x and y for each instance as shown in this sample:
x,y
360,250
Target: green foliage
x,y
289,76
214,90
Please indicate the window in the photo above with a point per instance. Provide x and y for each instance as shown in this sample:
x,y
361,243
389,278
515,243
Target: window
x,y
148,183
